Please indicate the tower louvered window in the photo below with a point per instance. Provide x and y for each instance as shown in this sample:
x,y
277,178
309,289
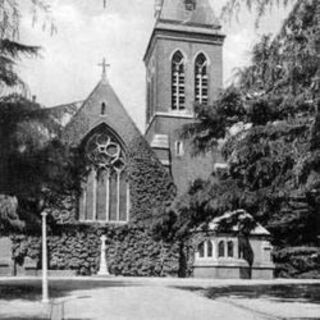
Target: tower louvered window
x,y
178,82
201,79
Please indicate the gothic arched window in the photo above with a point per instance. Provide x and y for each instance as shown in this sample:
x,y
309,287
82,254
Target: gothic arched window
x,y
105,190
209,249
178,82
221,249
201,250
103,109
230,249
201,79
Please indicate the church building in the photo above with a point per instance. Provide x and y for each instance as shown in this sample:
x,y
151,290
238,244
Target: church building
x,y
129,176
183,62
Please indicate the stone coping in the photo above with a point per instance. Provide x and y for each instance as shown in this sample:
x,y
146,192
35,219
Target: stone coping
x,y
211,262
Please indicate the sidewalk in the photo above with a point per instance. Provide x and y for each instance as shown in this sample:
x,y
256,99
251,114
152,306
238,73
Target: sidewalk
x,y
150,303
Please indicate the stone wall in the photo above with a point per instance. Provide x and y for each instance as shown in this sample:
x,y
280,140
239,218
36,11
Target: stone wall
x,y
6,265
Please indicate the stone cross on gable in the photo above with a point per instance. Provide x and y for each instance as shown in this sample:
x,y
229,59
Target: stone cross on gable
x,y
104,66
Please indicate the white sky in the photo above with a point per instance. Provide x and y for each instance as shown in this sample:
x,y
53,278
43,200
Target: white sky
x,y
67,70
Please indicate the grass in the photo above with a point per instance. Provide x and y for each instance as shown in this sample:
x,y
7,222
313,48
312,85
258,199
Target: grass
x,y
288,293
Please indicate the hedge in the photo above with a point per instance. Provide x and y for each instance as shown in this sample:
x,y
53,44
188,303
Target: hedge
x,y
297,262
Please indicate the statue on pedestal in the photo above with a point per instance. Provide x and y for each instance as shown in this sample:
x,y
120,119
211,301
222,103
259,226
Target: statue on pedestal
x,y
103,269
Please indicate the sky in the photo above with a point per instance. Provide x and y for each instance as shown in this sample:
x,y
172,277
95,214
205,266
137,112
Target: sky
x,y
68,70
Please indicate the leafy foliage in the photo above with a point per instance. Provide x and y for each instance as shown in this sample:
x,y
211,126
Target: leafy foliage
x,y
131,250
150,184
298,262
10,47
33,162
9,219
262,124
260,7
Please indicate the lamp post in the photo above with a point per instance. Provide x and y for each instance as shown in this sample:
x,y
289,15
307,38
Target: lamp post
x,y
45,295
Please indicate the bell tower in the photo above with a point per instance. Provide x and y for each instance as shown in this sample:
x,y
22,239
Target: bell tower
x,y
183,66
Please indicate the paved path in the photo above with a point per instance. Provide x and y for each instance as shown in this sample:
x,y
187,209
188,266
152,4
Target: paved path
x,y
150,303
155,299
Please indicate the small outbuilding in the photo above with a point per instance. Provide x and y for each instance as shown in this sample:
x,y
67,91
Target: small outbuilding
x,y
225,253
6,262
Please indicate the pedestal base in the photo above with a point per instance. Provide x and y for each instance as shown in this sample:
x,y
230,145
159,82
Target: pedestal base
x,y
103,273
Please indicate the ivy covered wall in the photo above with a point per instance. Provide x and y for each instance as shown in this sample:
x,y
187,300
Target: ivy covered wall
x,y
131,251
151,187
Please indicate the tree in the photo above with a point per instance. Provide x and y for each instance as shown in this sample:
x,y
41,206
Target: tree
x,y
265,120
32,159
11,49
34,163
9,219
232,8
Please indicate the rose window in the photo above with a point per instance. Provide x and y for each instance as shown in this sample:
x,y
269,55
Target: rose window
x,y
105,153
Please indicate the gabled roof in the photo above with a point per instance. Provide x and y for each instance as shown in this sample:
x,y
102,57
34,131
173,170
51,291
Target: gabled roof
x,y
176,11
236,215
89,116
63,114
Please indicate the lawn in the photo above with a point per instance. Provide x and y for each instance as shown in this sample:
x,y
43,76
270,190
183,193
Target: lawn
x,y
30,290
308,293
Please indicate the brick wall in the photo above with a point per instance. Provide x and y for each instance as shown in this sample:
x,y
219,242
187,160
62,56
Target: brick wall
x,y
164,44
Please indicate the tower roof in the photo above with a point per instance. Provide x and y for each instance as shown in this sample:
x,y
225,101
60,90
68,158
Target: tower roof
x,y
194,18
192,12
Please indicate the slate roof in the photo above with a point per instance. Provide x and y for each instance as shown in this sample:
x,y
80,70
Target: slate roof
x,y
259,230
65,112
176,11
86,116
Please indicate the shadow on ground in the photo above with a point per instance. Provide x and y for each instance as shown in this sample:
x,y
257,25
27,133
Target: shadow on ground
x,y
8,317
304,319
30,290
304,293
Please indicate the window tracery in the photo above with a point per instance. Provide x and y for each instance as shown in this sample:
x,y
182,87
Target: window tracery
x,y
201,79
105,196
178,82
